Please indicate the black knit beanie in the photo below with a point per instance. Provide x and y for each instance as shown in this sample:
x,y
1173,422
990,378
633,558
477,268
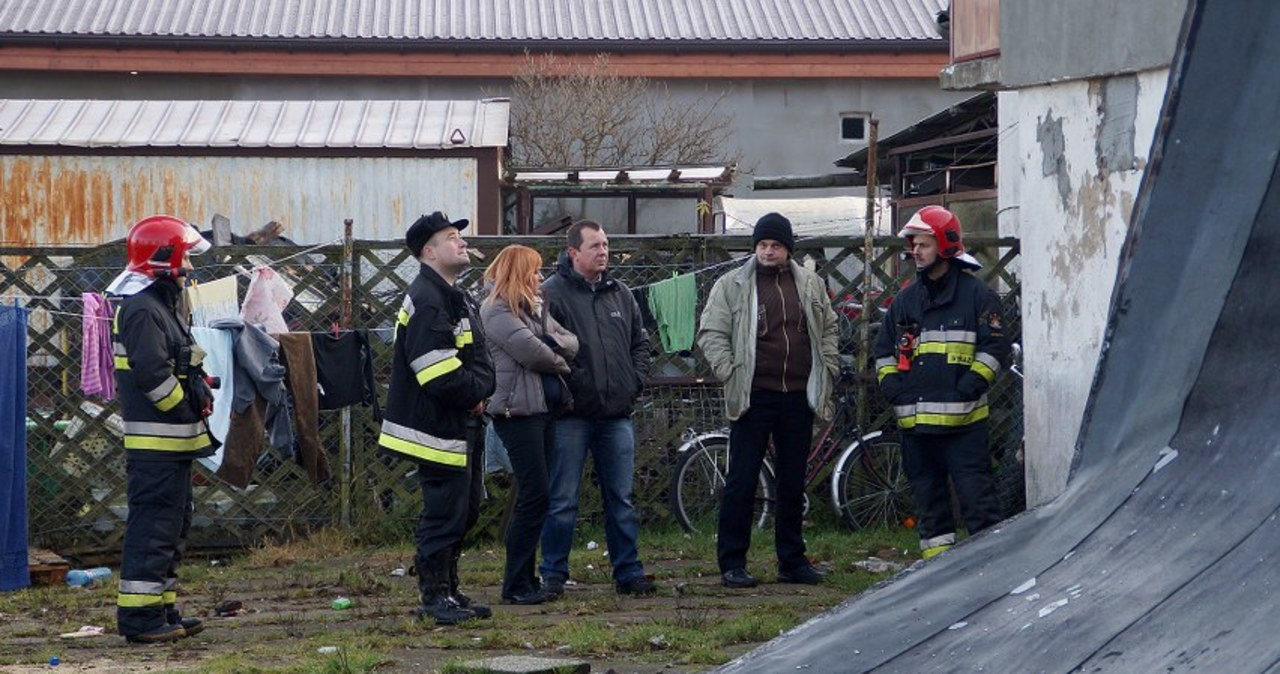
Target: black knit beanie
x,y
774,226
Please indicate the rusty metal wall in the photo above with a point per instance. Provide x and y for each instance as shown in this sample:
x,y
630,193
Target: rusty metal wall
x,y
57,200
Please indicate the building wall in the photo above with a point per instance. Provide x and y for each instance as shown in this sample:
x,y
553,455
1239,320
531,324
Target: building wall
x,y
781,127
1072,157
1044,41
70,199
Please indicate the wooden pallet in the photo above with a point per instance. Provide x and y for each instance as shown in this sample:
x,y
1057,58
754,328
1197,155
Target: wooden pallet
x,y
46,567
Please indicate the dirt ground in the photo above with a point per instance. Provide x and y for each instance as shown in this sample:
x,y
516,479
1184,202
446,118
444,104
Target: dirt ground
x,y
287,619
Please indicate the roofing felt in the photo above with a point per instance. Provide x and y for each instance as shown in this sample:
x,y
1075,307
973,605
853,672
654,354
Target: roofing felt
x,y
451,21
1160,556
415,125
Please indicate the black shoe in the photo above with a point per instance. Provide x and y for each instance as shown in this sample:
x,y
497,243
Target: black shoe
x,y
737,579
638,586
553,587
466,602
525,597
802,575
192,626
158,635
444,611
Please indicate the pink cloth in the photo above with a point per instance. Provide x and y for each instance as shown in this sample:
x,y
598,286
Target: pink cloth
x,y
97,365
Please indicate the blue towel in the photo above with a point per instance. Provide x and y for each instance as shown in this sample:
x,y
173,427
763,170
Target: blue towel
x,y
14,574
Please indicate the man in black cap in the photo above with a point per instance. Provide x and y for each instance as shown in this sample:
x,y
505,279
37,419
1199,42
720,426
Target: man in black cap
x,y
440,377
770,335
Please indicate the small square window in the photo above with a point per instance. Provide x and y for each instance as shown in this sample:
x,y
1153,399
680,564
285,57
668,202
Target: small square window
x,y
853,127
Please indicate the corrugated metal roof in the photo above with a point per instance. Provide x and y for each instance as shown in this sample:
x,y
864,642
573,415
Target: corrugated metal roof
x,y
418,125
481,20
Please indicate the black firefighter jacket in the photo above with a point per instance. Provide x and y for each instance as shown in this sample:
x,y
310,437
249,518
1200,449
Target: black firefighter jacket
x,y
960,348
161,398
440,370
613,346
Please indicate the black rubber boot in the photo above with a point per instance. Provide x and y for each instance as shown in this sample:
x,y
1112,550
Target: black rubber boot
x,y
461,599
433,589
158,635
192,626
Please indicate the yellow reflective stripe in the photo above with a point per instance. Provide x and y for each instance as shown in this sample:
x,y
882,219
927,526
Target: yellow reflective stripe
x,y
422,451
464,338
170,597
439,369
160,444
949,348
934,419
115,321
402,317
170,401
138,600
122,363
982,369
885,371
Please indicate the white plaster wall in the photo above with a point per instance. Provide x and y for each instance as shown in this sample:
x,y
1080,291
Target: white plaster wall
x,y
1071,210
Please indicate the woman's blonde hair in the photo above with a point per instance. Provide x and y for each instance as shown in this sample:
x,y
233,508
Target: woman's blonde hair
x,y
512,275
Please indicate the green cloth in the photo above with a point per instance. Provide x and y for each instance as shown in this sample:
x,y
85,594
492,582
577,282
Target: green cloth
x,y
674,303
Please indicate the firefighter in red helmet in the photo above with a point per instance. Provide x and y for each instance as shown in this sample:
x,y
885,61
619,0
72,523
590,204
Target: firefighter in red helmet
x,y
165,399
937,354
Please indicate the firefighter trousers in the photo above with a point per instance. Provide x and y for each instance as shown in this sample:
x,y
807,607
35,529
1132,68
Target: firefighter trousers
x,y
443,524
964,456
155,537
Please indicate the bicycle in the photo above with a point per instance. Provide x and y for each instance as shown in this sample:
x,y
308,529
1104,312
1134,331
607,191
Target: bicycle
x,y
867,484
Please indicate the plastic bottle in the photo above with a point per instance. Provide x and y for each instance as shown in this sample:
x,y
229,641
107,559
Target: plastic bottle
x,y
84,577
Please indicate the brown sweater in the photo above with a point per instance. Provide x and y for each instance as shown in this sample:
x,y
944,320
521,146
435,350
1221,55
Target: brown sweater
x,y
783,355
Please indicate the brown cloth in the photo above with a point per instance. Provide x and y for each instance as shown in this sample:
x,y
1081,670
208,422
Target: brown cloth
x,y
783,355
244,444
300,363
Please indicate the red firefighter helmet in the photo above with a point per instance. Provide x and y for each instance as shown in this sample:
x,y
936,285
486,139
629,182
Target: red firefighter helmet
x,y
157,245
944,226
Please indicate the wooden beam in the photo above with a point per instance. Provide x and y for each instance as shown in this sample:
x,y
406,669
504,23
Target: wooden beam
x,y
673,65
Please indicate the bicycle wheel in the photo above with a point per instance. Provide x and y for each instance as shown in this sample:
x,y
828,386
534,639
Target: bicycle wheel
x,y
868,485
697,487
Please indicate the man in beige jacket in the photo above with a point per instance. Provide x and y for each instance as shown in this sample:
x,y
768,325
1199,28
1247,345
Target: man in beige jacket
x,y
770,335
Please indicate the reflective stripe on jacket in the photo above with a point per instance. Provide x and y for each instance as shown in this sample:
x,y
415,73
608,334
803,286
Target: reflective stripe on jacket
x,y
149,342
440,371
956,358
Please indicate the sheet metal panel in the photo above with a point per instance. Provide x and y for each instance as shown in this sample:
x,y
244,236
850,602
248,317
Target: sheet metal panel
x,y
415,125
622,20
53,200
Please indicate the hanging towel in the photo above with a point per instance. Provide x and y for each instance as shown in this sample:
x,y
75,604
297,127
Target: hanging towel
x,y
14,573
218,362
300,363
97,366
342,383
266,299
213,300
674,303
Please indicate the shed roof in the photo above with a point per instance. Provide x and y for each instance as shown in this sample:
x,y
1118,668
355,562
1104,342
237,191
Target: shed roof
x,y
414,125
622,21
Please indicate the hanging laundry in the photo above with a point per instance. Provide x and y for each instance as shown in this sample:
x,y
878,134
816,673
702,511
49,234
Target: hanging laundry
x,y
14,572
266,299
300,363
97,364
218,362
342,382
260,401
674,303
213,300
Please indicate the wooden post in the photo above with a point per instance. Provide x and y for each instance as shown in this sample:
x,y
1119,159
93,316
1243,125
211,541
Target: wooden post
x,y
631,214
524,211
345,491
865,365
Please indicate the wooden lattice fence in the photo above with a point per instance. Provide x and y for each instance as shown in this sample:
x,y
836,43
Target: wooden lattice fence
x,y
75,464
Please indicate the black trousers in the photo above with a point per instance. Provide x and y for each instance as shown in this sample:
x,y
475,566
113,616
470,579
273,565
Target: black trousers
x,y
450,507
155,537
929,459
788,420
529,442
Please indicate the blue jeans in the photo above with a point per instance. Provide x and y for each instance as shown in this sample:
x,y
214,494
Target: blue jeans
x,y
612,443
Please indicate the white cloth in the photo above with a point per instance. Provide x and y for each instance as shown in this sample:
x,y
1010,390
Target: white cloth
x,y
265,301
218,362
129,283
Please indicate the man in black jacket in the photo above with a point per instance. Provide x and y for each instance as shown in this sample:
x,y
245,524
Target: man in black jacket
x,y
604,381
440,377
937,354
165,400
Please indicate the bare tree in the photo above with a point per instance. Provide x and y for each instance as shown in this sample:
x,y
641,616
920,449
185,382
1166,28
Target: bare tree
x,y
584,114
